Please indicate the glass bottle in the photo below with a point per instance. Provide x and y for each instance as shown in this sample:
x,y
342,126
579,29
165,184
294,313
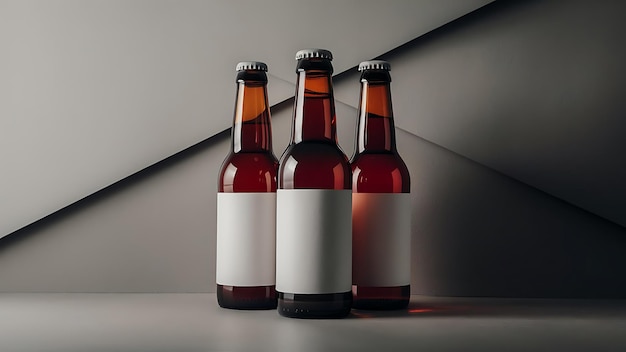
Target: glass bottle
x,y
313,230
246,200
381,200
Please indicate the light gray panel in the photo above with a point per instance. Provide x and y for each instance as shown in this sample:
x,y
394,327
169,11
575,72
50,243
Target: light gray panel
x,y
531,89
154,232
93,91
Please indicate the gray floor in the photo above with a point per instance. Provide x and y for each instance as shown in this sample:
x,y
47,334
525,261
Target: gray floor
x,y
194,322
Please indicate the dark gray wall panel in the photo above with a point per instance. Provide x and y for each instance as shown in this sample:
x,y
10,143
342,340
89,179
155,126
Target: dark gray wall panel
x,y
532,89
477,232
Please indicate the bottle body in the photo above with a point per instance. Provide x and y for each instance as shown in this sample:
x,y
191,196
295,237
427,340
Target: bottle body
x,y
381,204
313,233
246,219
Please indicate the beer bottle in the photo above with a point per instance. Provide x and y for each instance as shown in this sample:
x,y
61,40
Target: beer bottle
x,y
246,200
381,201
313,230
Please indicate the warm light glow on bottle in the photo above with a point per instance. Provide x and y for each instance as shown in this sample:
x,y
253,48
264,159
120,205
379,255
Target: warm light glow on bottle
x,y
381,205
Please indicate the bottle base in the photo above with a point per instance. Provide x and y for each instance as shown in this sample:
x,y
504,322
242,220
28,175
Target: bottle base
x,y
246,298
381,298
314,306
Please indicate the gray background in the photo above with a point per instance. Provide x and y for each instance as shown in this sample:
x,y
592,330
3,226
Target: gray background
x,y
510,121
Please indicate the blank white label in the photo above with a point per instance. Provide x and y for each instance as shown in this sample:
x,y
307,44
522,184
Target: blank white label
x,y
246,239
313,241
381,251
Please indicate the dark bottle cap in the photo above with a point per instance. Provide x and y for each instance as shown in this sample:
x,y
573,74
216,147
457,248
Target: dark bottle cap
x,y
314,53
374,65
251,65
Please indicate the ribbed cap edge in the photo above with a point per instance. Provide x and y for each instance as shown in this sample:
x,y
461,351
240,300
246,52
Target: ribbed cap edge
x,y
375,65
251,65
314,53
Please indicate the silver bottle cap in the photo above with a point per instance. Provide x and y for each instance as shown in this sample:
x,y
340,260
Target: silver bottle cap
x,y
374,65
314,53
251,65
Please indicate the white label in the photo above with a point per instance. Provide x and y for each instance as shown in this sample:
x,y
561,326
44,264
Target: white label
x,y
246,239
381,230
313,241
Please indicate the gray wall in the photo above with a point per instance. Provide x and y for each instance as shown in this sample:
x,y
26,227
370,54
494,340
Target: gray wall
x,y
93,91
509,121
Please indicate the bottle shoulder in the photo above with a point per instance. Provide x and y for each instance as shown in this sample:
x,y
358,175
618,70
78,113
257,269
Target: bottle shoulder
x,y
315,151
254,157
248,172
316,165
377,159
380,173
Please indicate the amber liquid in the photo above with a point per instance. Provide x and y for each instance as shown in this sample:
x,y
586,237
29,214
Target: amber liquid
x,y
319,164
249,298
253,169
381,298
379,169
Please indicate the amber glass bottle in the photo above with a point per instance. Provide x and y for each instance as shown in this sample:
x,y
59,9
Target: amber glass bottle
x,y
381,205
313,230
246,200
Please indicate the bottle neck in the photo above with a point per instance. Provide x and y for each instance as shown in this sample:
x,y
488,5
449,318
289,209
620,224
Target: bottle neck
x,y
376,130
251,127
314,112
